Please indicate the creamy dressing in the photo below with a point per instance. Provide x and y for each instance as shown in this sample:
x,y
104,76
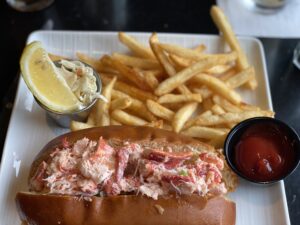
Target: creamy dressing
x,y
81,81
90,168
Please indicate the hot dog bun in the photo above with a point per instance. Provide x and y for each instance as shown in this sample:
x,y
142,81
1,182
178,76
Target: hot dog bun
x,y
44,209
124,209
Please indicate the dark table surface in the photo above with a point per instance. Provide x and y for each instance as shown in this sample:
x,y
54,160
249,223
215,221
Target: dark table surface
x,y
137,15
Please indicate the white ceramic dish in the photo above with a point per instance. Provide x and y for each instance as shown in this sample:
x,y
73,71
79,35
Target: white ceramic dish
x,y
30,129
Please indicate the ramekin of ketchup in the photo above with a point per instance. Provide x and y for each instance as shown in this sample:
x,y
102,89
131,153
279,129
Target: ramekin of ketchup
x,y
262,150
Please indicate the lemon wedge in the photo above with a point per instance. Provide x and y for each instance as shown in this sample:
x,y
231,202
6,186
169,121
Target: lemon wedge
x,y
44,80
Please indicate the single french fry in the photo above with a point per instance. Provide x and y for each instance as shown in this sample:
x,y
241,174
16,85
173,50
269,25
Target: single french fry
x,y
247,107
226,130
227,75
218,87
114,122
91,120
187,53
136,47
182,115
137,107
226,118
142,63
241,78
126,118
200,48
219,69
102,118
173,98
164,61
120,103
159,110
217,109
129,89
171,83
102,114
224,26
181,62
204,132
75,125
192,121
228,106
150,79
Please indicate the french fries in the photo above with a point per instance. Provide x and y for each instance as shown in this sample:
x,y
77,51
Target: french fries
x,y
241,78
151,80
203,91
183,62
160,111
182,115
126,118
219,69
207,104
102,114
129,89
75,125
208,133
174,88
120,103
137,48
226,118
114,122
141,63
171,83
228,106
188,53
218,110
219,87
165,62
222,23
172,98
95,63
136,106
132,75
192,121
156,124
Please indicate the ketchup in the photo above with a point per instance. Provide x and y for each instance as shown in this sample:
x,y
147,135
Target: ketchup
x,y
264,152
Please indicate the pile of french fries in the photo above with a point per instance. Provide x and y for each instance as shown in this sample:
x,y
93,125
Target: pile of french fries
x,y
175,88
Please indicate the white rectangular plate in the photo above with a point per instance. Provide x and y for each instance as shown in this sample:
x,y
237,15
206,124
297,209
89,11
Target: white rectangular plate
x,y
30,129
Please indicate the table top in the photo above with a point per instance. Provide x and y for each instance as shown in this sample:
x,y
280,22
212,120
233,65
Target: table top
x,y
161,16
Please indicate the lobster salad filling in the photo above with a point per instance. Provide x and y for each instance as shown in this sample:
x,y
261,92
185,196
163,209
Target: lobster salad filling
x,y
89,168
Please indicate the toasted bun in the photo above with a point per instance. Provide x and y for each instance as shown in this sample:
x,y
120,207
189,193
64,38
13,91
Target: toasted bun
x,y
44,209
124,209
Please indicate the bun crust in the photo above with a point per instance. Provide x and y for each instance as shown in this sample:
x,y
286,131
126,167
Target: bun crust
x,y
47,209
124,209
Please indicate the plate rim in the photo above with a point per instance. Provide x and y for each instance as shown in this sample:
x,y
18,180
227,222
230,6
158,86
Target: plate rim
x,y
215,36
